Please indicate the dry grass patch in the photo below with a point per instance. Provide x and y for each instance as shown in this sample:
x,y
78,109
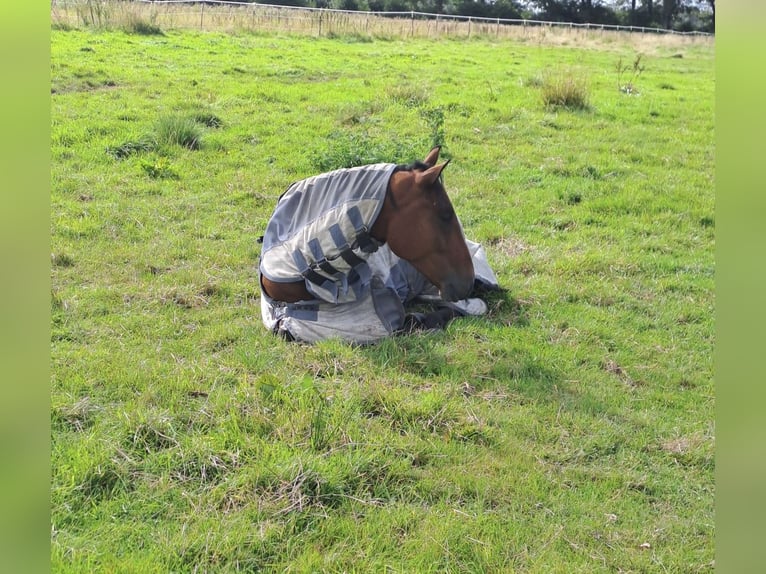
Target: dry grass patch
x,y
508,246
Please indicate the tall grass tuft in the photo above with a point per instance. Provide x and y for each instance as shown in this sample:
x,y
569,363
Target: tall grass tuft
x,y
182,130
565,90
179,130
134,24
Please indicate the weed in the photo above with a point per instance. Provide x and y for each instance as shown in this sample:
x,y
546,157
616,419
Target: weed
x,y
350,149
159,169
633,70
434,117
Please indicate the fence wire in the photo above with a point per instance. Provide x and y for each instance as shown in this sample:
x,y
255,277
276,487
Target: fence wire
x,y
231,15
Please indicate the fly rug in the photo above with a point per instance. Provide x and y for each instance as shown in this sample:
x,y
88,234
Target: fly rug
x,y
346,251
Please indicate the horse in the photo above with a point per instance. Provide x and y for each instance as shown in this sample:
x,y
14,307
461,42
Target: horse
x,y
334,239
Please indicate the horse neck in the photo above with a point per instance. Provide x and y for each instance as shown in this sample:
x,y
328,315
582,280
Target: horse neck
x,y
391,203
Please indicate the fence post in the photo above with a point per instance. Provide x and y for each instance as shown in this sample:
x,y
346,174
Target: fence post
x,y
469,27
201,15
412,22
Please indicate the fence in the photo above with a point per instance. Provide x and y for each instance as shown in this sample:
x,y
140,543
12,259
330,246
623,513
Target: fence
x,y
230,15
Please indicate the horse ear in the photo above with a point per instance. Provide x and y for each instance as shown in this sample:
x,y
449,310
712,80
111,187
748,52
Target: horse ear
x,y
429,176
433,156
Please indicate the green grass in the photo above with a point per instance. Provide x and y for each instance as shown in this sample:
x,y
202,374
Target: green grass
x,y
570,430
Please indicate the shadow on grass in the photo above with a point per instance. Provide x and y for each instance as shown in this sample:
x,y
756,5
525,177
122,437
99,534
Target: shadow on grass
x,y
505,309
500,355
480,352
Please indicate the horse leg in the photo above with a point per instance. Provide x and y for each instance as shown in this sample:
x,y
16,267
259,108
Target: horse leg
x,y
431,321
286,292
377,315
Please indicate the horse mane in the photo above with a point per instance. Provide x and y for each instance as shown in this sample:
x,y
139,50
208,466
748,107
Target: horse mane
x,y
414,166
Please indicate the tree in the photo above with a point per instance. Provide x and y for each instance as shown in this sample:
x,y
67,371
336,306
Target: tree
x,y
347,5
506,9
711,3
578,11
669,8
557,10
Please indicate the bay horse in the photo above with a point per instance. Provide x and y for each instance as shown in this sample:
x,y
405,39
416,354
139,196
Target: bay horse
x,y
415,219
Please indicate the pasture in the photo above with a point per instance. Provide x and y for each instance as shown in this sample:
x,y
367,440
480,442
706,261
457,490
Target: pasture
x,y
570,430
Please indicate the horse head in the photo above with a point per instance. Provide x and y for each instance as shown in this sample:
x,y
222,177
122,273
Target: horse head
x,y
419,224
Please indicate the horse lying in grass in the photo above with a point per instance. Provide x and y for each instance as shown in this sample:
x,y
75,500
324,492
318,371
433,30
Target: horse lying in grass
x,y
344,252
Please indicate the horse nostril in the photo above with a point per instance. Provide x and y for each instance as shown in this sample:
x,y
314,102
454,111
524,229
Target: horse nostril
x,y
466,290
456,290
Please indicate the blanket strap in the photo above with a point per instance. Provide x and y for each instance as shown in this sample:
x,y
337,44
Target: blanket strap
x,y
360,271
364,240
320,261
307,272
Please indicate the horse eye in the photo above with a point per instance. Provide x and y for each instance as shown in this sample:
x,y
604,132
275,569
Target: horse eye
x,y
446,215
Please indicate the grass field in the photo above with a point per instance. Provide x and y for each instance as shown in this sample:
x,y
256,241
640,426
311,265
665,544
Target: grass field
x,y
570,430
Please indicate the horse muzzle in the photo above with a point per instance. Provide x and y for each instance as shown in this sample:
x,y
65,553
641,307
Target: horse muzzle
x,y
456,288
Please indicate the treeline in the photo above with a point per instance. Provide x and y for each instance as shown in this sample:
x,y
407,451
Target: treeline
x,y
680,15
